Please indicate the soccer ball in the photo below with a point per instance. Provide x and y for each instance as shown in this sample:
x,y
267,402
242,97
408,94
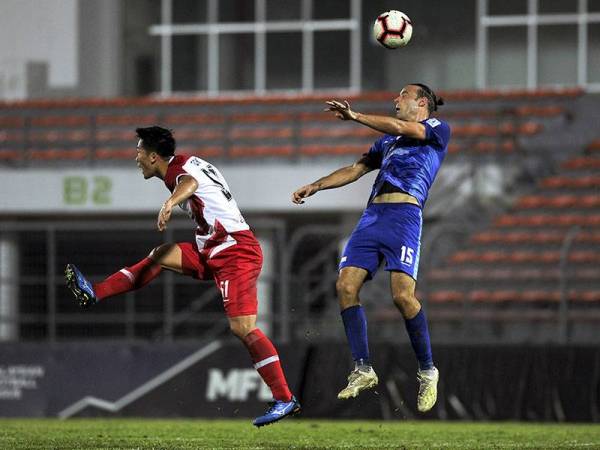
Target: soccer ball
x,y
392,29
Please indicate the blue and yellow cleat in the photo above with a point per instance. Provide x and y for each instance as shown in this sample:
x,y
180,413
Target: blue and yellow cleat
x,y
80,287
277,411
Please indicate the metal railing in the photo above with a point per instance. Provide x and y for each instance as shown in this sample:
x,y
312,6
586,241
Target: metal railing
x,y
563,310
40,307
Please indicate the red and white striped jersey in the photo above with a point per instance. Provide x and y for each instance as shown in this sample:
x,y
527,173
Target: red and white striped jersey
x,y
212,206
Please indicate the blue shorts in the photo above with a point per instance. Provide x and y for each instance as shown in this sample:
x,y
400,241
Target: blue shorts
x,y
386,230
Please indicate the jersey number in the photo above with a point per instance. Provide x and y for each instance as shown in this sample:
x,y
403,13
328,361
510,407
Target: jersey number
x,y
210,172
224,288
406,255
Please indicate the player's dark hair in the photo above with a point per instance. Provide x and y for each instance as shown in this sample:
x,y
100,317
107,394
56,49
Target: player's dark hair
x,y
433,101
157,139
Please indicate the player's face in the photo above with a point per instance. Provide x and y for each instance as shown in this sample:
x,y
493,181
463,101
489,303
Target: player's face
x,y
145,160
407,104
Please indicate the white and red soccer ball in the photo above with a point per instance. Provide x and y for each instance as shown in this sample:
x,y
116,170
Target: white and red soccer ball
x,y
392,29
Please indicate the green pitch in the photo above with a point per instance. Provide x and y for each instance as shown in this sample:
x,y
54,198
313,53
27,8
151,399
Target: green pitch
x,y
294,433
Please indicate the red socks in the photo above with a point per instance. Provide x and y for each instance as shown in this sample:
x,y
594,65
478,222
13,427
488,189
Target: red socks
x,y
128,279
266,362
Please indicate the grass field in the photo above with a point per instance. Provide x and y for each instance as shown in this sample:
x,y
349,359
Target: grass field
x,y
299,434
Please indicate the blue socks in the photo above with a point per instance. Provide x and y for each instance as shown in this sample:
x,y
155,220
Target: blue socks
x,y
355,324
418,332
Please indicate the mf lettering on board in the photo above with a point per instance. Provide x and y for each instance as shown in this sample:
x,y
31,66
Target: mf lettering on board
x,y
236,385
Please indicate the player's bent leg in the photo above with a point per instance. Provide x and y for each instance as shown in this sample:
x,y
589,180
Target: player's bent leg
x,y
140,274
168,256
266,362
403,293
363,376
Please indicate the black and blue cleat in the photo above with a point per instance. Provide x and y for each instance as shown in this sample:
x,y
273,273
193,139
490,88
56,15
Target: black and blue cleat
x,y
80,287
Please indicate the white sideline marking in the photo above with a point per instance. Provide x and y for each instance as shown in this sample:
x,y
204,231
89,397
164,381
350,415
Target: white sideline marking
x,y
144,388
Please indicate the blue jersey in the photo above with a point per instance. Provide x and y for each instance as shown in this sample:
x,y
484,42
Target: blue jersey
x,y
410,164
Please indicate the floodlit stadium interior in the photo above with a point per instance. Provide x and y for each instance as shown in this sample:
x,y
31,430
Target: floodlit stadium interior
x,y
510,253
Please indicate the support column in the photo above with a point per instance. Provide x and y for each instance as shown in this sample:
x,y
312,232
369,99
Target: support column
x,y
9,287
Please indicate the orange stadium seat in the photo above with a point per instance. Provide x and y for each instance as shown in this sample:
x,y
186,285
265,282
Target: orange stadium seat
x,y
198,134
10,155
539,220
490,94
128,120
59,154
60,121
537,237
582,162
454,148
338,132
559,201
594,146
12,122
513,295
180,119
261,133
506,146
320,116
325,149
115,135
59,136
262,118
476,129
496,296
530,128
115,153
12,137
201,152
564,182
447,296
261,150
508,274
522,256
539,110
585,296
128,153
471,113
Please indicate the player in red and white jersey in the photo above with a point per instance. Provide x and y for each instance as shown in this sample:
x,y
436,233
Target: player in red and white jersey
x,y
224,250
211,206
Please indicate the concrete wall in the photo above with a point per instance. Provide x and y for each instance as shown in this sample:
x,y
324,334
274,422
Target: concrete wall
x,y
33,31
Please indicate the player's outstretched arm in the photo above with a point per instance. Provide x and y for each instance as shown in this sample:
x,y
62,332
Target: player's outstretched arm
x,y
184,190
340,177
383,124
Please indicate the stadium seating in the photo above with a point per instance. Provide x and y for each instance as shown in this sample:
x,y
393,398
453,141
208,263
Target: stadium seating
x,y
281,126
522,256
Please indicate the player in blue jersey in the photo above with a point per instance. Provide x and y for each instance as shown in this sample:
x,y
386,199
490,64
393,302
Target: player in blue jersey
x,y
408,157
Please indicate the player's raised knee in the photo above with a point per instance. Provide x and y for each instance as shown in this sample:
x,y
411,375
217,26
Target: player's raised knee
x,y
158,253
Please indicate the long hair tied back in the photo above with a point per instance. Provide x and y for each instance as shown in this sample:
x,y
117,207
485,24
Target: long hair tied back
x,y
434,100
